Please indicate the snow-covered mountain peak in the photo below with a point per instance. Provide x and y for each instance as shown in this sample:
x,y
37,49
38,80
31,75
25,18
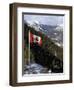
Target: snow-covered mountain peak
x,y
59,27
34,24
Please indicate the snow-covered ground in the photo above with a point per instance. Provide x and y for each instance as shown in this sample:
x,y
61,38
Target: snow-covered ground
x,y
35,68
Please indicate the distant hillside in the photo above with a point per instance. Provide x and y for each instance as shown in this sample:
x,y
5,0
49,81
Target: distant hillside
x,y
55,33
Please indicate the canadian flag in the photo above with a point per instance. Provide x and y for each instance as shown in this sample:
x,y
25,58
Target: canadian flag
x,y
35,39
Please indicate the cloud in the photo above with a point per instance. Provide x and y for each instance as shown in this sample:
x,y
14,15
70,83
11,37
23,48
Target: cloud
x,y
45,19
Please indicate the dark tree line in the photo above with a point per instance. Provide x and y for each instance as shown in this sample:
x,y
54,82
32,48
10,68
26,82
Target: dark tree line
x,y
46,59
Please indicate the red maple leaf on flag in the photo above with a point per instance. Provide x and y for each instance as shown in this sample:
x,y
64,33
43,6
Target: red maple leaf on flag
x,y
35,39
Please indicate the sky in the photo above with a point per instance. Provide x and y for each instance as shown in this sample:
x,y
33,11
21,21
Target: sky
x,y
45,19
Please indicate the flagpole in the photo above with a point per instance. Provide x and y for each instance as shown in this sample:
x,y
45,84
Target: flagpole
x,y
29,49
55,53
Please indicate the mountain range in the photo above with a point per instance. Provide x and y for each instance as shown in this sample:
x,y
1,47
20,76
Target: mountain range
x,y
55,32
